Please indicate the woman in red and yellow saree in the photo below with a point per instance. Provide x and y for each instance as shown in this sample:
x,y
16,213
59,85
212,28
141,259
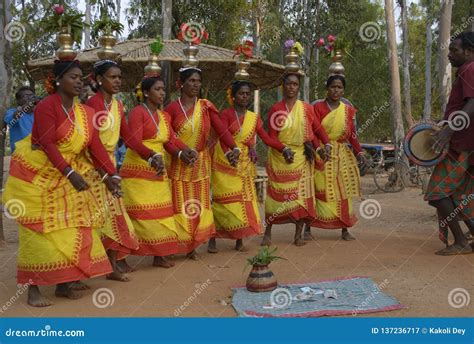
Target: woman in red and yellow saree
x,y
192,120
118,234
290,193
50,195
337,180
234,198
148,197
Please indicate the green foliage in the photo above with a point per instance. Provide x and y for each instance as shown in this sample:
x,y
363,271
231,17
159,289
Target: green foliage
x,y
157,46
71,18
107,26
264,257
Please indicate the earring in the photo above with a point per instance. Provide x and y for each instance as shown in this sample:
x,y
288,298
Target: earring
x,y
146,95
57,83
100,84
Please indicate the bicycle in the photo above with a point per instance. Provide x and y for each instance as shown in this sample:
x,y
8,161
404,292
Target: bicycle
x,y
394,174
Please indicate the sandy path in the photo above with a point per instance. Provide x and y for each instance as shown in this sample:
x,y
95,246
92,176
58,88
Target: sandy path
x,y
397,246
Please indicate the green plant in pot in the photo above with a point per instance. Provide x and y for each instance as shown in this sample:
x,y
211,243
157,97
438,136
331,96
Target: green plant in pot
x,y
261,278
107,27
70,25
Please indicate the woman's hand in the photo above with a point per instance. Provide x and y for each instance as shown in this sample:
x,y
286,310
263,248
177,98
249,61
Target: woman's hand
x,y
188,156
309,151
288,154
76,179
231,158
156,161
253,155
113,185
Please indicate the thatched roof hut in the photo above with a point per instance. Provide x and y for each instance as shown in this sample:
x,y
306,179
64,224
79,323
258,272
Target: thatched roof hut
x,y
218,64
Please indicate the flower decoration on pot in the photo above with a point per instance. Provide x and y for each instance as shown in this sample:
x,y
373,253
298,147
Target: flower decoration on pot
x,y
261,278
295,52
153,67
244,51
67,21
192,33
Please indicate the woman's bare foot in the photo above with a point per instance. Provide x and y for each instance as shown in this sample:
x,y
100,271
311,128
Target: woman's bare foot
x,y
266,241
299,242
239,246
162,262
123,266
345,235
118,276
64,290
78,285
307,236
455,249
192,255
35,298
212,246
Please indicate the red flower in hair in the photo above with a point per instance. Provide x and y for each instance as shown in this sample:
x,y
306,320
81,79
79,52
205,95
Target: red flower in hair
x,y
331,38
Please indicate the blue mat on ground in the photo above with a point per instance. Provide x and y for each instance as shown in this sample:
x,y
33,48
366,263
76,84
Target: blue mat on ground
x,y
354,295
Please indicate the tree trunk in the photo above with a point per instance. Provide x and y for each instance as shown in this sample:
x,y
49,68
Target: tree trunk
x,y
258,43
406,64
429,43
167,16
87,29
5,90
444,67
395,101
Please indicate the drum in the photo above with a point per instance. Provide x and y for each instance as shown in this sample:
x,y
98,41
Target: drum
x,y
418,145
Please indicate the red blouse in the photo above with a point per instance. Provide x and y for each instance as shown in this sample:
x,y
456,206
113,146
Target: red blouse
x,y
97,103
316,133
48,117
229,120
210,120
144,128
321,109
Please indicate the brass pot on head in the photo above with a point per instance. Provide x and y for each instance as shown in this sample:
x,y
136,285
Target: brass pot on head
x,y
336,66
153,66
291,61
242,73
190,53
107,51
65,42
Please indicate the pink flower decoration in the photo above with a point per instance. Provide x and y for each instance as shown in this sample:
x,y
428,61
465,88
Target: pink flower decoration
x,y
330,47
320,43
331,38
58,9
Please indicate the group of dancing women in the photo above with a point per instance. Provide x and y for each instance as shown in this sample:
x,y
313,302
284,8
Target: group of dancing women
x,y
187,177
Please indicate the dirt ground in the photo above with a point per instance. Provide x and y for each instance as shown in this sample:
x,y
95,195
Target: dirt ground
x,y
398,246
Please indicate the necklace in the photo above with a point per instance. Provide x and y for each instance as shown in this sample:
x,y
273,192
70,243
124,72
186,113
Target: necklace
x,y
238,120
153,119
74,123
108,106
330,107
287,109
192,116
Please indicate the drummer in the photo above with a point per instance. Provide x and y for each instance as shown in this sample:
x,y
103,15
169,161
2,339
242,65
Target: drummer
x,y
451,187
